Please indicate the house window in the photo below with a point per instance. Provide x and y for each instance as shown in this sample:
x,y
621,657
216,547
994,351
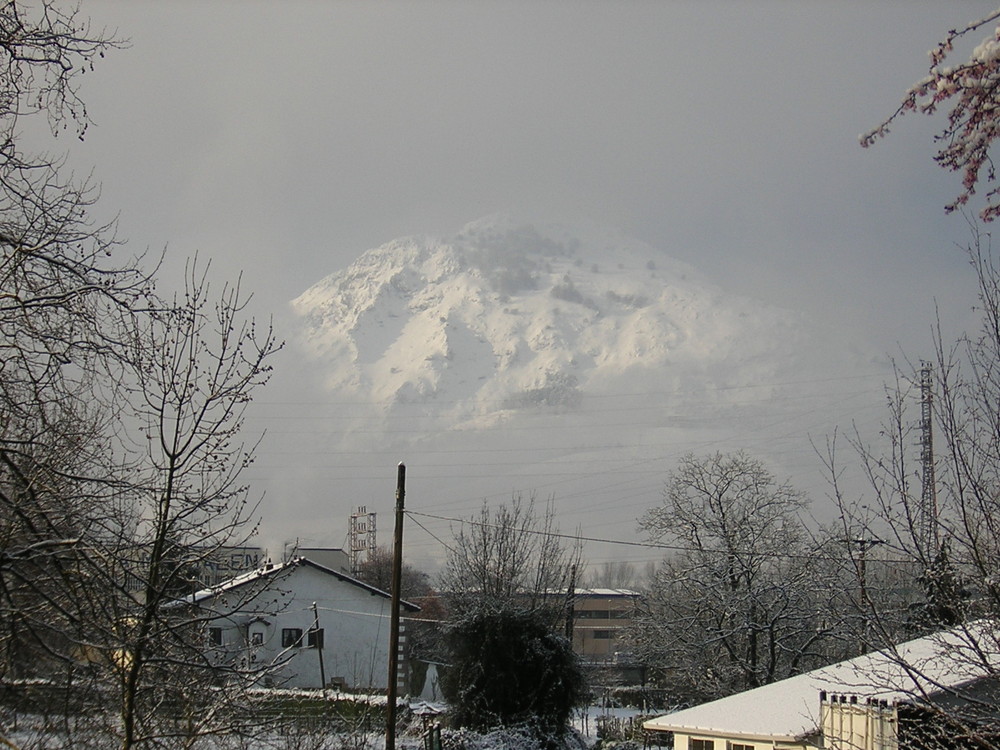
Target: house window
x,y
291,637
738,746
257,639
607,635
694,744
215,636
315,638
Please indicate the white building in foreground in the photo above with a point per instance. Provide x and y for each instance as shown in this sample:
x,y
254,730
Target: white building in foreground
x,y
302,623
872,702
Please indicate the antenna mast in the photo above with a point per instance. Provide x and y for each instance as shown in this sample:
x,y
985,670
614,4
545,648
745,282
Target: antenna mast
x,y
928,528
362,538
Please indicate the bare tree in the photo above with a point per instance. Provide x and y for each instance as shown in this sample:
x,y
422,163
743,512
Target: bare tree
x,y
740,603
65,300
508,557
966,514
98,588
958,571
505,584
614,574
955,579
377,570
120,427
197,366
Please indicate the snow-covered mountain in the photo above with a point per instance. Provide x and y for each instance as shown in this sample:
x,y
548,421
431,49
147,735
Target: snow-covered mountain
x,y
506,317
519,357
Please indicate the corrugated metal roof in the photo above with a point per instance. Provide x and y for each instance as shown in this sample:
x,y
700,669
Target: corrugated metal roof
x,y
789,709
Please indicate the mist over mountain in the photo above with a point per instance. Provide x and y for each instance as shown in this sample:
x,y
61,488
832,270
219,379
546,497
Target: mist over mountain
x,y
505,318
522,356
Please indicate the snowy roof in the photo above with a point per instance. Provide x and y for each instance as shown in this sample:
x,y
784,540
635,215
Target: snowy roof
x,y
607,592
789,709
271,570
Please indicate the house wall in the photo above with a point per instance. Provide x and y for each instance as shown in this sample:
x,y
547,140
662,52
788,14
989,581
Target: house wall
x,y
355,624
684,741
858,725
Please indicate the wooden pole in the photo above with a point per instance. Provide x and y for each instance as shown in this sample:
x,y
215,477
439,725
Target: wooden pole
x,y
319,649
570,596
397,568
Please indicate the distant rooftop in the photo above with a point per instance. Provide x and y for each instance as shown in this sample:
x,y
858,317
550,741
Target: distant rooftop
x,y
606,592
789,709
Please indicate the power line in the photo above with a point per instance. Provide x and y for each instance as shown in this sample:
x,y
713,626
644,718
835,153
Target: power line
x,y
430,533
710,387
646,545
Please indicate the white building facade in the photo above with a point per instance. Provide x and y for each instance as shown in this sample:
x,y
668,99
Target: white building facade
x,y
303,625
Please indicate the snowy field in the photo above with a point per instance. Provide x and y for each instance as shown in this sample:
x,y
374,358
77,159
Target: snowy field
x,y
31,732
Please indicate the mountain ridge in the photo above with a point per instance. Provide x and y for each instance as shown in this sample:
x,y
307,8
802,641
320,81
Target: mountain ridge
x,y
510,316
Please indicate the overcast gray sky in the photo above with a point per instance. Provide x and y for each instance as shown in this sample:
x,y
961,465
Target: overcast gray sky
x,y
283,139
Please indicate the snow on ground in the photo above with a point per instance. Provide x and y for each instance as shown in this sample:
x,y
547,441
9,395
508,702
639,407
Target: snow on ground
x,y
27,731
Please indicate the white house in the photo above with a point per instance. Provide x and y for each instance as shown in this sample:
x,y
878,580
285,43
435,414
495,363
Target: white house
x,y
856,704
299,620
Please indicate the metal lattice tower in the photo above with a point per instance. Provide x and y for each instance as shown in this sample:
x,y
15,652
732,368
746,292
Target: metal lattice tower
x,y
928,520
362,537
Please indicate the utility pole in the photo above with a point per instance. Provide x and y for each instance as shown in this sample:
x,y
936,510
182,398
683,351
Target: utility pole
x,y
318,640
397,568
570,596
864,544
